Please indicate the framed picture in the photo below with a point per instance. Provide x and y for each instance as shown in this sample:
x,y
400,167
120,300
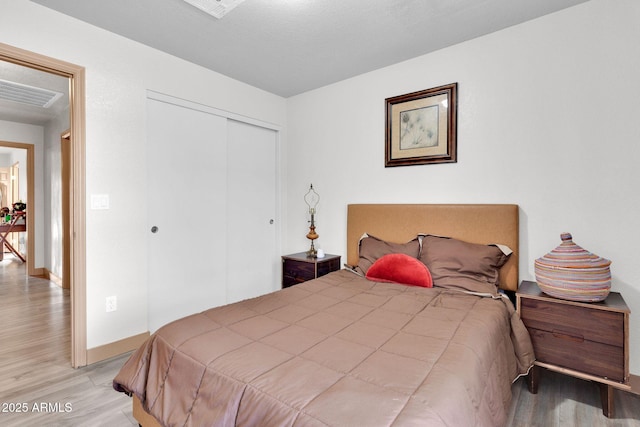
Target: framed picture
x,y
421,127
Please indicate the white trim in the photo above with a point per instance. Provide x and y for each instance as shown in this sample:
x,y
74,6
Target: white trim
x,y
157,96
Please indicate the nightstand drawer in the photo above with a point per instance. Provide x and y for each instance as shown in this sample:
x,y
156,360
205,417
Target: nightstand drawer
x,y
606,327
327,267
574,352
297,272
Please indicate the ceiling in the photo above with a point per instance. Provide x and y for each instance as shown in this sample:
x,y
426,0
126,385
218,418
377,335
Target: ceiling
x,y
22,113
288,47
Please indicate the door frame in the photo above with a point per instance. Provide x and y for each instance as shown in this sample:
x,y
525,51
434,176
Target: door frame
x,y
77,200
31,268
65,179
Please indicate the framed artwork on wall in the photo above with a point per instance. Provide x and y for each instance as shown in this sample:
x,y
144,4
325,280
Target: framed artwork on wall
x,y
421,127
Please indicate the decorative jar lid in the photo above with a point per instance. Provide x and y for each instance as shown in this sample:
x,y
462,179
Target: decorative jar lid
x,y
570,255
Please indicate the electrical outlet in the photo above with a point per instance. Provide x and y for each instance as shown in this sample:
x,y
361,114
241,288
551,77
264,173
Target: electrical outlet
x,y
112,303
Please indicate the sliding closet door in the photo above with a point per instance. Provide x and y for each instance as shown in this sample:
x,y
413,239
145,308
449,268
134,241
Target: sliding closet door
x,y
187,176
252,258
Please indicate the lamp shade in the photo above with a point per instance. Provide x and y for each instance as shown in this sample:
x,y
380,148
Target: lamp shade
x,y
311,199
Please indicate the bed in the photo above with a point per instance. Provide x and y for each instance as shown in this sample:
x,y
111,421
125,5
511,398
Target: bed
x,y
355,347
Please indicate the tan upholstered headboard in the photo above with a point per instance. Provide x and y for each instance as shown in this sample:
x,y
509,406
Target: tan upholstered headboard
x,y
472,223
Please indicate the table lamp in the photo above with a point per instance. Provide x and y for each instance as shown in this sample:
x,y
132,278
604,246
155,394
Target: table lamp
x,y
311,199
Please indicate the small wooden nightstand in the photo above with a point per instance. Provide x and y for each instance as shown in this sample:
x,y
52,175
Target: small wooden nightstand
x,y
585,340
298,268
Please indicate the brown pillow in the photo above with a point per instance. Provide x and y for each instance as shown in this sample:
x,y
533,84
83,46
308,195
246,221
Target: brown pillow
x,y
371,248
462,265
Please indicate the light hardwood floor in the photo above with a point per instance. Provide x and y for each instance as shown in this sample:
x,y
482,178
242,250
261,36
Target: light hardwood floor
x,y
36,376
35,369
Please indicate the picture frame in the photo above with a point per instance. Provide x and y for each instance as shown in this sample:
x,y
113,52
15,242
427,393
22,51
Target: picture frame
x,y
421,127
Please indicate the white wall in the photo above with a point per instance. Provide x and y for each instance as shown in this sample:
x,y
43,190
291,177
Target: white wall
x,y
118,74
547,119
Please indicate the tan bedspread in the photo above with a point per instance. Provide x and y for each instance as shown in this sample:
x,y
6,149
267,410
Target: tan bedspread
x,y
340,351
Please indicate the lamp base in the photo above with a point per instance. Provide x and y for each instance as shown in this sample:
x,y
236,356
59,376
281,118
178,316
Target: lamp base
x,y
312,252
312,235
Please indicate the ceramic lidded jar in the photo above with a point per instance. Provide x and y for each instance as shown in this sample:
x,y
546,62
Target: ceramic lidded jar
x,y
573,273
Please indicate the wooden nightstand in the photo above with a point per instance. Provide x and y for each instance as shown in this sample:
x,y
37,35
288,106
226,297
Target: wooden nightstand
x,y
585,340
298,268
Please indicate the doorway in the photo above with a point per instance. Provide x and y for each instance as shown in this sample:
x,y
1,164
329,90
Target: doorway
x,y
77,203
31,269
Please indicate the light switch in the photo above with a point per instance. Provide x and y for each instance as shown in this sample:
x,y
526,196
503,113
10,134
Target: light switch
x,y
99,201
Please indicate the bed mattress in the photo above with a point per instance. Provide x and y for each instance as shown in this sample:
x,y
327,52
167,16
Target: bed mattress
x,y
340,350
